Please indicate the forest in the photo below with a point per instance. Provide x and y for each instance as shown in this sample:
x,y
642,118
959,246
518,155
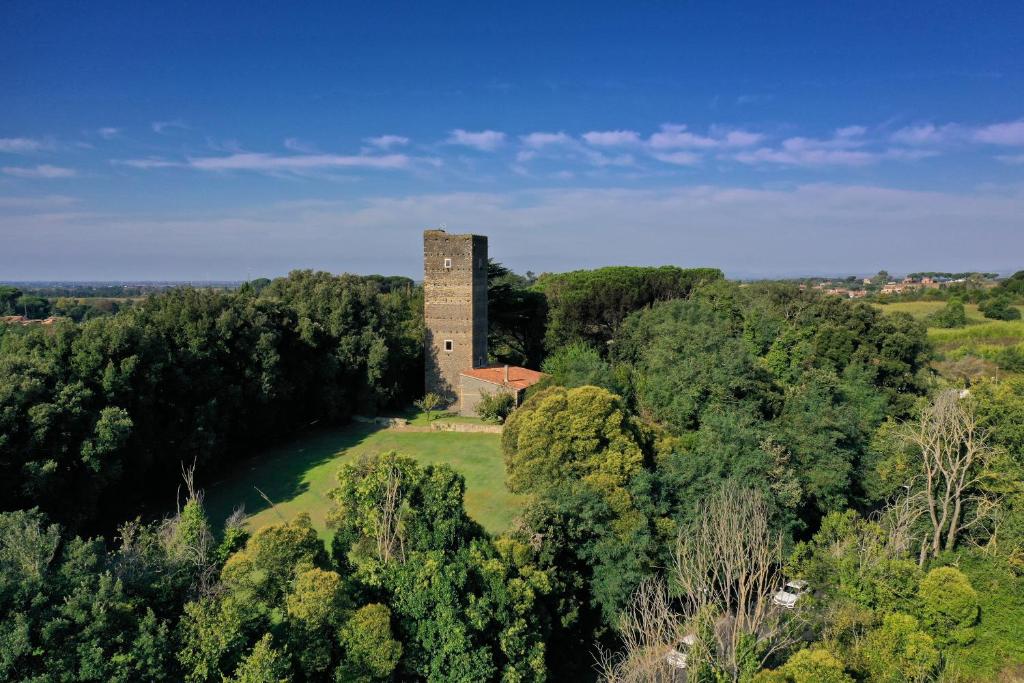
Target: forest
x,y
723,482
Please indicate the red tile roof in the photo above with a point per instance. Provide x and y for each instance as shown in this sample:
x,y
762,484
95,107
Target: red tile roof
x,y
518,378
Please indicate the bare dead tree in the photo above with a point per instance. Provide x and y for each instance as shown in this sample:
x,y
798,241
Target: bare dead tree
x,y
187,538
388,518
651,632
901,517
727,567
954,454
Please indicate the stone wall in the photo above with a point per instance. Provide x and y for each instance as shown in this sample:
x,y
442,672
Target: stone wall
x,y
454,309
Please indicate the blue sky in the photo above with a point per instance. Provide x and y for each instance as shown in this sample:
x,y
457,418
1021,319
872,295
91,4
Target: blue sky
x,y
184,141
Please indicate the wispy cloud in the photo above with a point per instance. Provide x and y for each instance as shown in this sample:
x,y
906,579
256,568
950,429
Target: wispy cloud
x,y
164,127
387,141
22,145
148,163
108,133
677,136
1012,159
305,162
926,134
484,141
539,140
1010,133
295,145
44,202
45,171
805,229
612,138
679,158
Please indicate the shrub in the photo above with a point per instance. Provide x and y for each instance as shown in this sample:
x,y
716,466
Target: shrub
x,y
952,315
949,605
496,407
999,308
898,651
814,665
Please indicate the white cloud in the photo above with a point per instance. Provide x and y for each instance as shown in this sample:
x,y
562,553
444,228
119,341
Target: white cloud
x,y
387,141
806,229
851,132
798,155
108,133
163,127
1010,133
41,171
484,141
1012,159
294,144
305,162
676,136
926,134
679,158
612,138
21,145
539,140
150,162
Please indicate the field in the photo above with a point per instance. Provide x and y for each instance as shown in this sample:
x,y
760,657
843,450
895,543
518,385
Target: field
x,y
297,476
979,348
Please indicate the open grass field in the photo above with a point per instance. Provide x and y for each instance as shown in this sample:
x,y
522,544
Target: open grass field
x,y
297,476
983,343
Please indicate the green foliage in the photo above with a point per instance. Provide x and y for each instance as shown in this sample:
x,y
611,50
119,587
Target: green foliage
x,y
572,434
264,664
949,606
999,308
853,560
579,364
496,407
428,404
388,505
516,318
371,652
812,665
96,418
589,305
898,651
952,315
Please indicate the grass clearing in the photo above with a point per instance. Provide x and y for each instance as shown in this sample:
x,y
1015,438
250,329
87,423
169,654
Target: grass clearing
x,y
977,349
297,476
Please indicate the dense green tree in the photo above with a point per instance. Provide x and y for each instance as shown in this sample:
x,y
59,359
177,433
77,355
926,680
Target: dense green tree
x,y
949,605
898,651
589,305
97,418
516,318
579,364
812,665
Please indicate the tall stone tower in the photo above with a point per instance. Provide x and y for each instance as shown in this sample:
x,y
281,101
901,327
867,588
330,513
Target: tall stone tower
x,y
454,308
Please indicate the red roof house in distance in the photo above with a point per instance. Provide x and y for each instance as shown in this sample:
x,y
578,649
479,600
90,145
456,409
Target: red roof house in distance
x,y
510,379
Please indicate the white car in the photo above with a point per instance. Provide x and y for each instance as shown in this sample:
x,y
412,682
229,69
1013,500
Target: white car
x,y
790,594
678,659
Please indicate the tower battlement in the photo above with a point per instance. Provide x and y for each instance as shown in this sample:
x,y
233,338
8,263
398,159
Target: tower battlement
x,y
454,308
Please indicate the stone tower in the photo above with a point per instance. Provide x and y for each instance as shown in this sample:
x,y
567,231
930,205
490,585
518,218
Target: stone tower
x,y
454,309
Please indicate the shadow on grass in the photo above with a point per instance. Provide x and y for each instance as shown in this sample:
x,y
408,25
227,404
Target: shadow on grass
x,y
279,472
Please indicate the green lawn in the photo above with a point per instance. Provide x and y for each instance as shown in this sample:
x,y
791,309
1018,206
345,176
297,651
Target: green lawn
x,y
298,475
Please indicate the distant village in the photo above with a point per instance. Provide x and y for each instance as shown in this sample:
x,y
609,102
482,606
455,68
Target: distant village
x,y
916,283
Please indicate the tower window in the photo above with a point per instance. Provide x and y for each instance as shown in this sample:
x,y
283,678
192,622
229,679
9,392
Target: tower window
x,y
449,345
447,264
